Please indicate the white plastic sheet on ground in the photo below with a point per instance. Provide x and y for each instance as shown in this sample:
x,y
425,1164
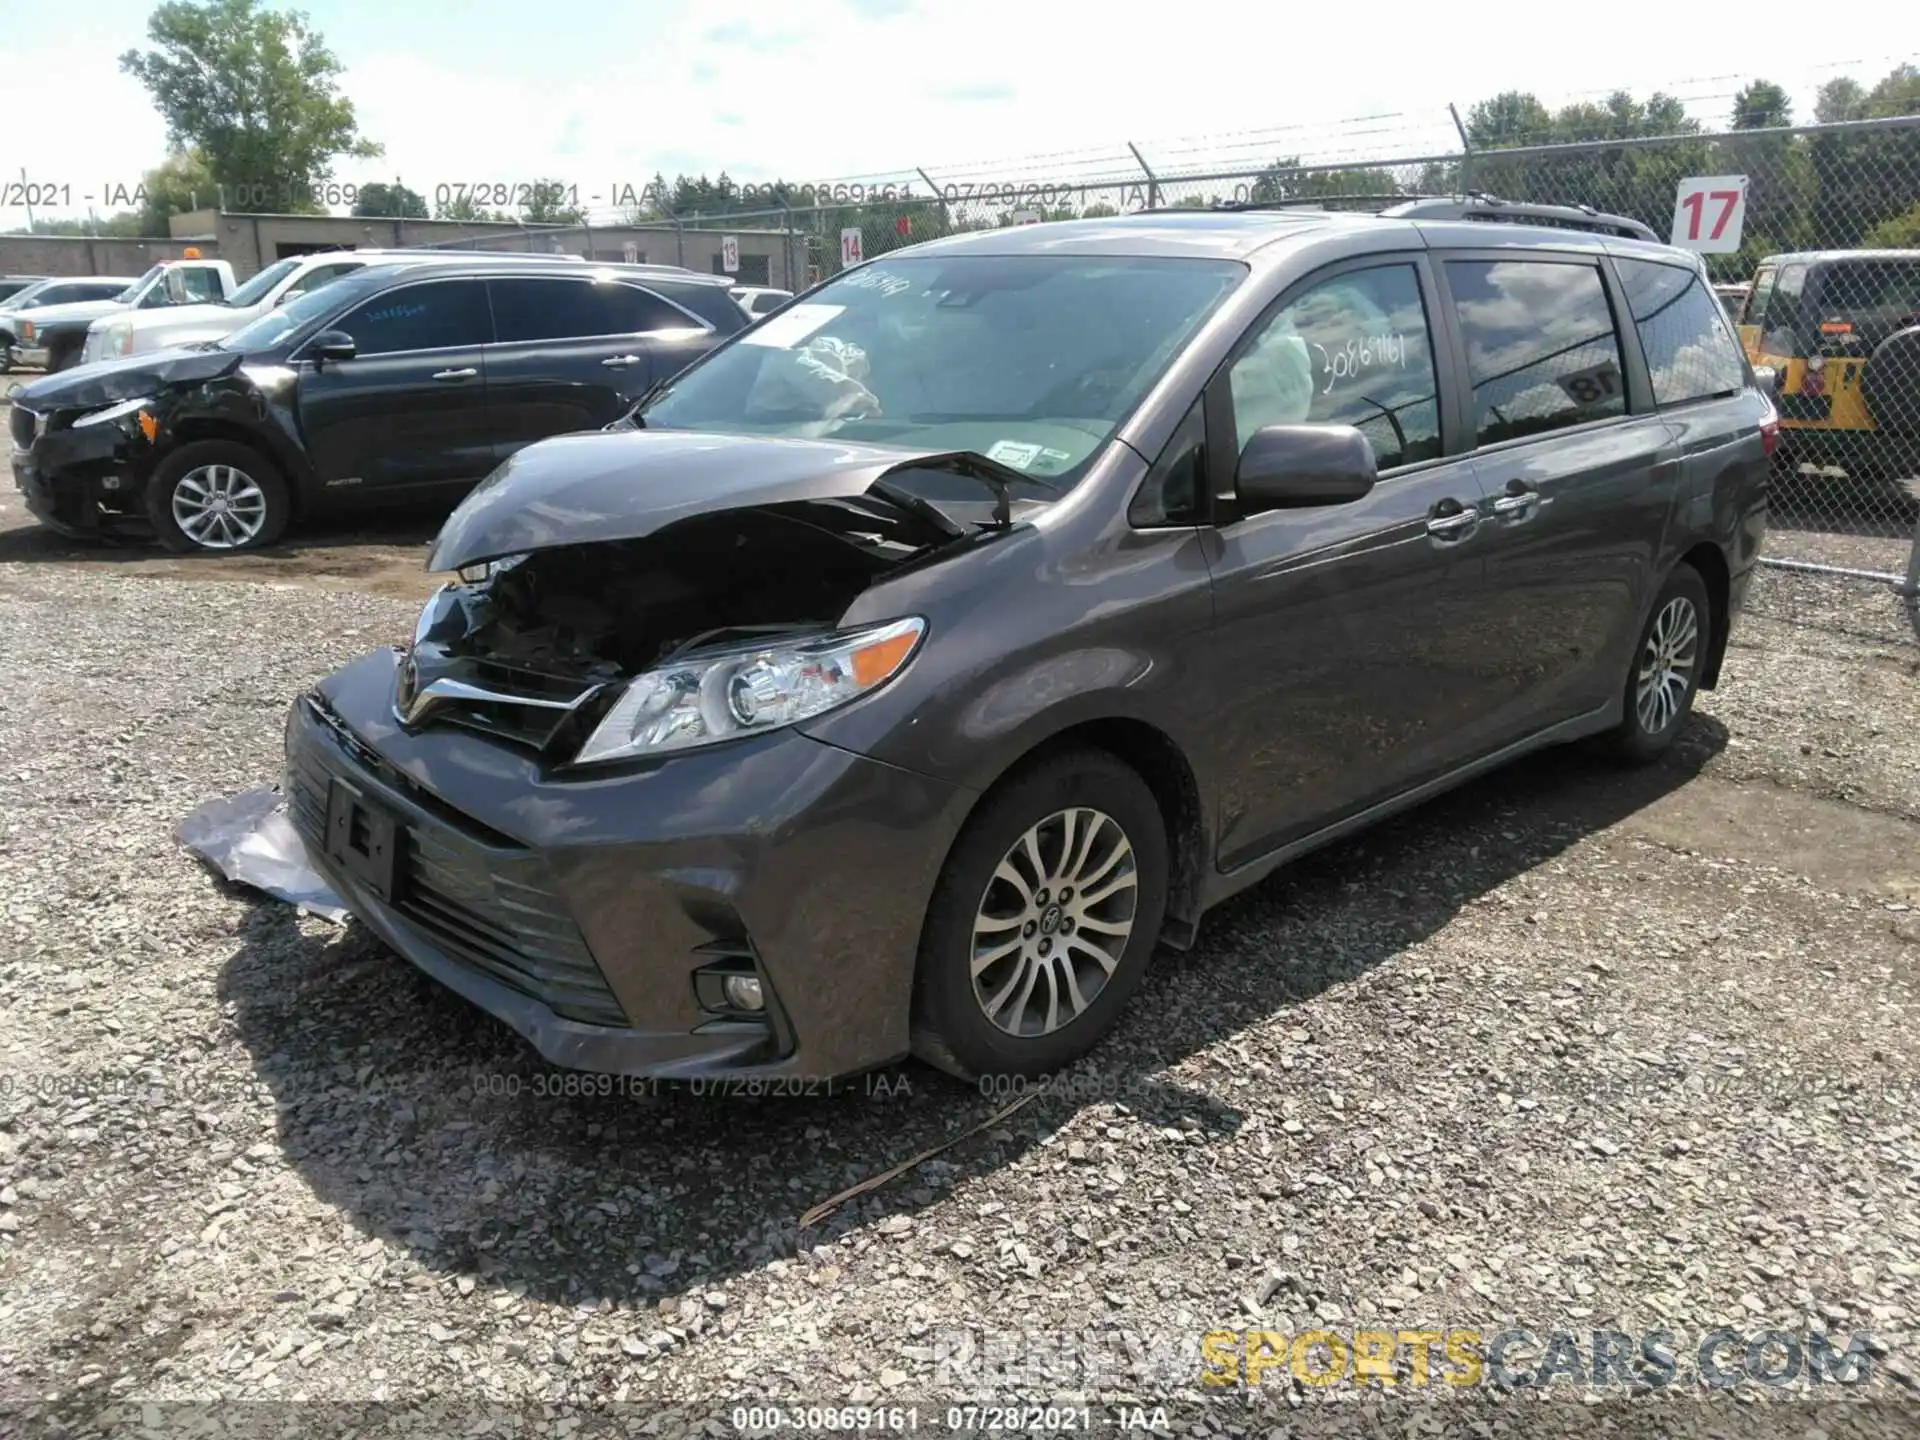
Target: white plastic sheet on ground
x,y
249,839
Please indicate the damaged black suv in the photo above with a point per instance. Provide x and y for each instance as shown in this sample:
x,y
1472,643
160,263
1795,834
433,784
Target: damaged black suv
x,y
404,382
904,671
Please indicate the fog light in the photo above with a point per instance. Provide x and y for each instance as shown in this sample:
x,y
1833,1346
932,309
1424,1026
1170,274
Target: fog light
x,y
743,992
109,482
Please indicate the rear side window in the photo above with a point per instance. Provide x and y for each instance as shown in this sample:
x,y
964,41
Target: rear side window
x,y
1542,352
710,302
576,309
1690,354
1783,327
1353,350
435,315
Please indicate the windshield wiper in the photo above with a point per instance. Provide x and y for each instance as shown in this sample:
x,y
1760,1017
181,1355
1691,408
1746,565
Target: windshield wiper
x,y
652,393
974,466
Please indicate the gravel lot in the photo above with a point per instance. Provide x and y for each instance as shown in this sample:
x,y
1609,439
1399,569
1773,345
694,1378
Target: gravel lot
x,y
1566,1049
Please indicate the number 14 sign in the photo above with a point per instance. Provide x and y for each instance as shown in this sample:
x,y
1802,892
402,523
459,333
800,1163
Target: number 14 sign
x,y
1708,213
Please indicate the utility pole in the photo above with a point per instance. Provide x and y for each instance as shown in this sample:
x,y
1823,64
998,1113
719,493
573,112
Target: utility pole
x,y
26,195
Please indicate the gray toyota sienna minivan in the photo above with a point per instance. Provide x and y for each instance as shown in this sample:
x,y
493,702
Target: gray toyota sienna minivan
x,y
907,669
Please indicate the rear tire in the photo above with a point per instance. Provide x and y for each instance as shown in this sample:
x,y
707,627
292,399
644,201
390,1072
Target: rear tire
x,y
183,489
1664,675
1019,973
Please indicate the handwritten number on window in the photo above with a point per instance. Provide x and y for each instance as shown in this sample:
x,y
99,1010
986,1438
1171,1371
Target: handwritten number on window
x,y
1360,353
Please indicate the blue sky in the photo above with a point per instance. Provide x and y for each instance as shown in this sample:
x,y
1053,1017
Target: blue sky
x,y
606,93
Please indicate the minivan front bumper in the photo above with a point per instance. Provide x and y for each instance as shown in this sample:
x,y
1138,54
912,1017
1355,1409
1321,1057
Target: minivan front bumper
x,y
581,909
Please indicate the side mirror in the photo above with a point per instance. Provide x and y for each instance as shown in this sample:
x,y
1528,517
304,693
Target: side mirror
x,y
1291,467
334,345
283,297
1768,379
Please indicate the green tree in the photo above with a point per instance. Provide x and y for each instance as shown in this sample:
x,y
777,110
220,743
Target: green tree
x,y
126,223
548,204
181,182
1762,105
1863,178
1625,179
255,91
1780,179
1510,118
1287,180
1840,99
1902,232
463,207
395,200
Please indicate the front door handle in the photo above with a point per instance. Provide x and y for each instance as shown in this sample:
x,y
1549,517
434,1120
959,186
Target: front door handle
x,y
1454,524
1516,504
466,374
621,362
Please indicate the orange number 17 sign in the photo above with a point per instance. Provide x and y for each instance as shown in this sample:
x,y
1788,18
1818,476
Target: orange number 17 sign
x,y
1708,213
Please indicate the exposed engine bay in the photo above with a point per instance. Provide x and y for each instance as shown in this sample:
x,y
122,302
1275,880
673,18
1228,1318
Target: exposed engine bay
x,y
603,611
535,647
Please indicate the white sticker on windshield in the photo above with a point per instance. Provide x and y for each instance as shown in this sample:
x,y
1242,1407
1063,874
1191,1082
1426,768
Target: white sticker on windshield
x,y
790,326
1016,453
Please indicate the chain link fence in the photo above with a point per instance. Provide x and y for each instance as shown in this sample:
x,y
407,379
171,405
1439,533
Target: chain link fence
x,y
1823,285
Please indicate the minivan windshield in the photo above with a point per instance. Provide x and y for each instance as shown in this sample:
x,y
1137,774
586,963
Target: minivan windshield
x,y
1030,360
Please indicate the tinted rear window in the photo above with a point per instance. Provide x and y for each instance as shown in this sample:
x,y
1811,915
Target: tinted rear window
x,y
1542,352
1690,352
560,309
1873,296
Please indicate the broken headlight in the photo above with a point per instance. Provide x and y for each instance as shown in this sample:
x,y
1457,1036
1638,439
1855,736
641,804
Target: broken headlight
x,y
720,695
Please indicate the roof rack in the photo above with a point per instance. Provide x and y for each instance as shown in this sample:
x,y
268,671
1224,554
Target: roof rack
x,y
1465,207
1491,207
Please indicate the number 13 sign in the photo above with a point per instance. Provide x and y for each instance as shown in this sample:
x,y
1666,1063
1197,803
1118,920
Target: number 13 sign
x,y
1708,213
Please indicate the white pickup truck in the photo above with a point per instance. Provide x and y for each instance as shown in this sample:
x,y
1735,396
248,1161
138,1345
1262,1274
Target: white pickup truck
x,y
53,337
137,332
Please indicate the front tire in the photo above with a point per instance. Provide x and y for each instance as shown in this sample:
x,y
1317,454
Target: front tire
x,y
1043,920
217,497
1664,677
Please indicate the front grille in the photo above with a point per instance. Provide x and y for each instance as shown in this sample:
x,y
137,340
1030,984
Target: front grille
x,y
25,422
491,912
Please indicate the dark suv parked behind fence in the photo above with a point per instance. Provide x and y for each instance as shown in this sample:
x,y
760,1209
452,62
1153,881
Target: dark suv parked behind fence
x,y
403,381
917,660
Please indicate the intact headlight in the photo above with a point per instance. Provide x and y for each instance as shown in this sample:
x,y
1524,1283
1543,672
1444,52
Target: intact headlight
x,y
113,412
722,695
119,340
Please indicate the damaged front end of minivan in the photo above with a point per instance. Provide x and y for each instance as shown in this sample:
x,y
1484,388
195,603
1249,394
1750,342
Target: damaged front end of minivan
x,y
646,638
585,796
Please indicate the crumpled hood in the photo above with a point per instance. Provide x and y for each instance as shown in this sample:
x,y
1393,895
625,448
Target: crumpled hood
x,y
625,485
107,382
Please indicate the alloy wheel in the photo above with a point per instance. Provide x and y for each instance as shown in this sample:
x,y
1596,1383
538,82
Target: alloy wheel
x,y
1054,921
219,507
1666,664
